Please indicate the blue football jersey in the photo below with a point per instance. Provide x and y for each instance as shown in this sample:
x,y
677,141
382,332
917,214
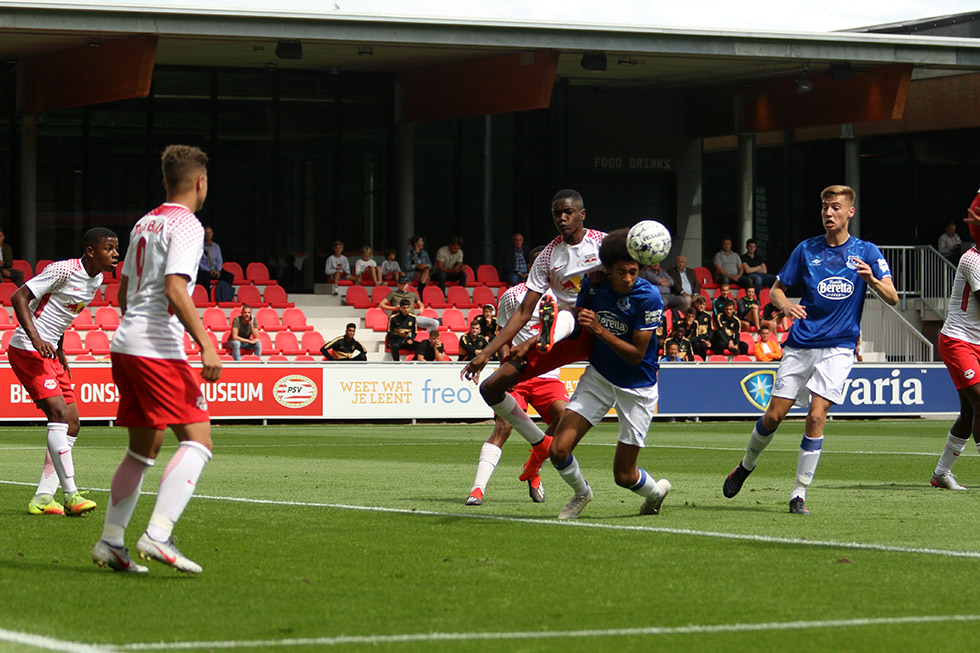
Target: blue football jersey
x,y
833,292
640,310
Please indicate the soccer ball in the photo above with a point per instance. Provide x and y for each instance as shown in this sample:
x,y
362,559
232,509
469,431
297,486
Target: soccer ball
x,y
648,242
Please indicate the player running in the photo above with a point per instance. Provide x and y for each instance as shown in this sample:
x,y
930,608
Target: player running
x,y
561,267
835,271
46,306
547,393
622,313
959,349
156,385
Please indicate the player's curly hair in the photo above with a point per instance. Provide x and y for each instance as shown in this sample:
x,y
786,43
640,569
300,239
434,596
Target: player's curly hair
x,y
180,162
613,248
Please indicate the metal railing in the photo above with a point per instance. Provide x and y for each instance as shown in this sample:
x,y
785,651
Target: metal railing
x,y
920,272
885,330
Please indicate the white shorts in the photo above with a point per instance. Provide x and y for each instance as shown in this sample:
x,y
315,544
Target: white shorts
x,y
820,371
635,407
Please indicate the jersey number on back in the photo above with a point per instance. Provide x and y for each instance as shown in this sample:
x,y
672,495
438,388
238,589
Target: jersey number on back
x,y
140,257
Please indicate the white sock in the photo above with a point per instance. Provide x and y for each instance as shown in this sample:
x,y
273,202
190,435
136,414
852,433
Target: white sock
x,y
512,413
124,493
646,485
489,457
177,487
759,440
565,323
954,447
806,465
60,452
572,474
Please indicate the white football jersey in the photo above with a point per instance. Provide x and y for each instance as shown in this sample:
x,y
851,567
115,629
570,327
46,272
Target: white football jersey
x,y
509,301
963,315
167,240
61,292
561,267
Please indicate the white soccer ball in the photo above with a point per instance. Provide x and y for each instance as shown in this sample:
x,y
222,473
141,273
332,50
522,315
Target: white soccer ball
x,y
648,242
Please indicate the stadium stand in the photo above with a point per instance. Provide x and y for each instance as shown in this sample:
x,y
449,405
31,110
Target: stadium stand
x,y
276,297
83,321
267,319
250,295
97,342
294,320
488,276
107,318
258,274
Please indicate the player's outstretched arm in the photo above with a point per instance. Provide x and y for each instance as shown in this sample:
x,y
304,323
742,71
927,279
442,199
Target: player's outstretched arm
x,y
503,338
183,307
21,300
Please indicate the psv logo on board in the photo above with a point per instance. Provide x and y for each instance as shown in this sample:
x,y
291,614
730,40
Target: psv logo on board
x,y
294,391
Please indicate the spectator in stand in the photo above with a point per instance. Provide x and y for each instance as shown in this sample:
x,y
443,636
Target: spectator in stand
x,y
418,265
754,267
431,350
390,270
243,335
449,263
661,330
767,349
685,282
949,246
6,263
345,347
401,329
774,318
472,343
672,355
728,266
337,267
748,310
724,294
405,291
367,263
487,322
699,334
663,281
679,337
211,263
728,335
516,260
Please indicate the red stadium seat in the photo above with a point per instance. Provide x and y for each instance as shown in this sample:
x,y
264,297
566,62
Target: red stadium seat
x,y
41,264
747,338
379,293
276,297
236,270
25,267
703,275
215,320
305,358
763,298
295,320
453,319
275,358
450,343
98,300
258,274
488,276
473,314
5,323
458,297
742,358
97,342
376,320
433,297
85,358
7,290
267,319
312,341
107,319
83,321
717,358
199,295
471,280
112,295
189,345
267,347
5,340
358,298
72,343
287,343
483,295
250,295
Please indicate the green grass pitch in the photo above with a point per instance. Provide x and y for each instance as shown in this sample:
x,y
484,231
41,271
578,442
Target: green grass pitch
x,y
355,537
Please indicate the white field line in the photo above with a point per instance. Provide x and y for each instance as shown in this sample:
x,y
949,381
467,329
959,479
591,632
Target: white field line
x,y
742,537
51,644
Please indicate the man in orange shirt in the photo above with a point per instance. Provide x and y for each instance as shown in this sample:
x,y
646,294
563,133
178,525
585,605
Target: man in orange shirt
x,y
766,349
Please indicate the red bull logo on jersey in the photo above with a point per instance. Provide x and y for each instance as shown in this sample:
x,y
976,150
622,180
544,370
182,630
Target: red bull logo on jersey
x,y
74,307
573,283
591,260
835,288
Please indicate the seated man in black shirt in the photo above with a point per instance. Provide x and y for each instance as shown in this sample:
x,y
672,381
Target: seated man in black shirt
x,y
401,329
344,348
728,335
471,343
431,349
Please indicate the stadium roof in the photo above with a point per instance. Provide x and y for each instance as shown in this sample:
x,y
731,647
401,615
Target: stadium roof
x,y
337,41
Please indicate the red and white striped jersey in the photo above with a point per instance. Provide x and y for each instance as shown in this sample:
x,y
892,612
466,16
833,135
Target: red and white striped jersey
x,y
963,315
61,292
510,299
561,267
167,240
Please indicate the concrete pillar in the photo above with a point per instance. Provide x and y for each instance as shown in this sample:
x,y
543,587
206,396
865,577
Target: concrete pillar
x,y
28,188
406,186
688,238
852,173
488,240
746,191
